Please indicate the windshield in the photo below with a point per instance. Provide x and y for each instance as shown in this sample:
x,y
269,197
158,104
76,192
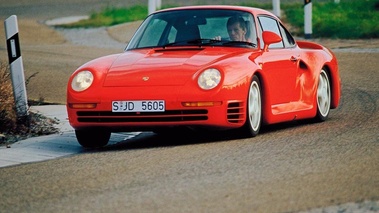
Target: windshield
x,y
196,27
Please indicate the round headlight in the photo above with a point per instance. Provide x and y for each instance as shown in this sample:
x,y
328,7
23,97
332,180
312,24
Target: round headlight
x,y
209,79
82,81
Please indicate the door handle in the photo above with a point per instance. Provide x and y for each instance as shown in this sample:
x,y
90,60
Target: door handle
x,y
294,59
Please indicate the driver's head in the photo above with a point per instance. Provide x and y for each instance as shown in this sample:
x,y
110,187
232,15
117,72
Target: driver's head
x,y
237,29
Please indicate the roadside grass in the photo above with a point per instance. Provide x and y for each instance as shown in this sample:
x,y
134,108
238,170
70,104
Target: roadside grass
x,y
111,16
347,20
351,19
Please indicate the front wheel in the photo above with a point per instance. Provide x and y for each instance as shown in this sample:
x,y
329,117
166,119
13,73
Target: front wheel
x,y
94,138
254,108
323,97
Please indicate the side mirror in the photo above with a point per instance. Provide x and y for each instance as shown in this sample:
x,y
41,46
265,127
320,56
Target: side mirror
x,y
270,38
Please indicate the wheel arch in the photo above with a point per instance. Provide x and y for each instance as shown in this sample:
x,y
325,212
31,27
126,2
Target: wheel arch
x,y
334,81
266,109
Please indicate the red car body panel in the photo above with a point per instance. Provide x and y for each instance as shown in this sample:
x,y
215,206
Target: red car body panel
x,y
289,79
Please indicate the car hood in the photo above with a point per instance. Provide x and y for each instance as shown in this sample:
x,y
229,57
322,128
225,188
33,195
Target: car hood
x,y
164,67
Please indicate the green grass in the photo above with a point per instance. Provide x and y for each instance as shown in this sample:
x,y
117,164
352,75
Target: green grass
x,y
112,16
350,19
347,20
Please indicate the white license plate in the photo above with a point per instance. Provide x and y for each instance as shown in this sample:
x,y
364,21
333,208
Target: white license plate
x,y
138,106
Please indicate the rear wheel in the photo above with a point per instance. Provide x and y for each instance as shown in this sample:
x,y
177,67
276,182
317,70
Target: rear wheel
x,y
93,138
323,97
254,108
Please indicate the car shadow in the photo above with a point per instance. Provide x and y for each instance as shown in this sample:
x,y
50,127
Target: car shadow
x,y
151,140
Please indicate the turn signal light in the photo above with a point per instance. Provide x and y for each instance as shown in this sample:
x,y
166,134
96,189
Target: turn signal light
x,y
83,106
202,104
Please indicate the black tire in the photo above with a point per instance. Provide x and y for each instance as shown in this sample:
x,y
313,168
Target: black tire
x,y
253,108
323,97
92,138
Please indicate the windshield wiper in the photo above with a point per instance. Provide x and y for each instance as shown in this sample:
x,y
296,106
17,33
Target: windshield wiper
x,y
208,41
230,43
223,42
200,41
204,41
174,43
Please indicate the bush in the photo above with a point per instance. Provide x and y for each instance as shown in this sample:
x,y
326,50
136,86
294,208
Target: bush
x,y
8,116
12,127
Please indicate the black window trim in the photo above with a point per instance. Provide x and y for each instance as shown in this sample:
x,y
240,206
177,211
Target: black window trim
x,y
277,24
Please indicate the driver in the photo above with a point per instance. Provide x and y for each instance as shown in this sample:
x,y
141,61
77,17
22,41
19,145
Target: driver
x,y
237,29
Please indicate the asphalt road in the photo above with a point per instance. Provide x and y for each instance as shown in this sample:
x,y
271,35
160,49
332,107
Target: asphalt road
x,y
287,168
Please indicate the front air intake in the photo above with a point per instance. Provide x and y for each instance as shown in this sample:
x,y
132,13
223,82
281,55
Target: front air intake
x,y
135,117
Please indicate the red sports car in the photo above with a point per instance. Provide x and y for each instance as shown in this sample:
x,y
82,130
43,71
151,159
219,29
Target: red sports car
x,y
219,67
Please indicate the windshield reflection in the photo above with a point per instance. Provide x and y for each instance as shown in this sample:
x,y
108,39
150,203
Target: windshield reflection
x,y
216,27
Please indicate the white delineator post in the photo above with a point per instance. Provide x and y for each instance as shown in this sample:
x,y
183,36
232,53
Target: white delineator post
x,y
16,66
158,4
276,7
153,5
308,19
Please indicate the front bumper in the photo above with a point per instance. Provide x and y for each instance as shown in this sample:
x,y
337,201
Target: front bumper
x,y
230,114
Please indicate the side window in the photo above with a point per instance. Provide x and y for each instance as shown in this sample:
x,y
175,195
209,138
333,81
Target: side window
x,y
269,24
288,40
